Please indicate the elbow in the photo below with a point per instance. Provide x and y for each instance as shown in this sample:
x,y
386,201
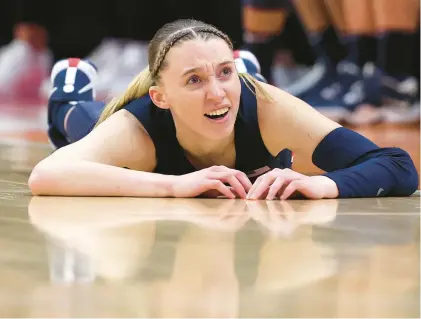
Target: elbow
x,y
409,182
412,182
39,181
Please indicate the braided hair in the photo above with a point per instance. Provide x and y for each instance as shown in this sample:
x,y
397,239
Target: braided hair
x,y
202,31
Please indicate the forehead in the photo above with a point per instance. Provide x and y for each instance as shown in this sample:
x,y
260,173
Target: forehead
x,y
198,52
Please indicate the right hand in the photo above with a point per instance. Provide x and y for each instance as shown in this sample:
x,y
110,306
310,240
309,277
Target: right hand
x,y
211,183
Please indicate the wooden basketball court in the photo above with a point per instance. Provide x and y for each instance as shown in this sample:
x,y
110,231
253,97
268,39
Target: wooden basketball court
x,y
134,257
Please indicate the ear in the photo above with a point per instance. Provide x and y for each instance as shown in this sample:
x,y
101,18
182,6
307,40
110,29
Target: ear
x,y
158,97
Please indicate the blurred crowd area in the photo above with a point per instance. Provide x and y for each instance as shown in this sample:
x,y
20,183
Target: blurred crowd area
x,y
356,61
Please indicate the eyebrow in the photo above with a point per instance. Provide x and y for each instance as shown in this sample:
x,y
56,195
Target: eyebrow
x,y
196,69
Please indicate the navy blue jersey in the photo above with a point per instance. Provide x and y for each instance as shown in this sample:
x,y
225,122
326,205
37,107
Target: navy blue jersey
x,y
252,156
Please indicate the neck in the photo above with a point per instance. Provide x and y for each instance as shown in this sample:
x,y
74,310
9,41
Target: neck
x,y
205,152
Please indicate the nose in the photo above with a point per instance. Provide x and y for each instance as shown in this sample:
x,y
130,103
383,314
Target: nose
x,y
215,90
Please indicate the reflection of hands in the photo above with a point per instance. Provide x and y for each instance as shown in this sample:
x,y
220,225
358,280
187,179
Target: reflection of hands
x,y
218,214
116,235
281,218
67,216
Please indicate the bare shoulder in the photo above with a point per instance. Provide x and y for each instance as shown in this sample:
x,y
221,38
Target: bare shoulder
x,y
121,140
288,122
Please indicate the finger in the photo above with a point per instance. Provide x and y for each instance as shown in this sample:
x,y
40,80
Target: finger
x,y
262,187
233,191
229,178
236,185
265,192
275,187
296,185
292,174
253,187
223,189
244,180
285,185
220,168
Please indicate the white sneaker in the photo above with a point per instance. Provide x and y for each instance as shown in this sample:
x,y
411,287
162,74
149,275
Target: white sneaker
x,y
106,53
106,57
133,60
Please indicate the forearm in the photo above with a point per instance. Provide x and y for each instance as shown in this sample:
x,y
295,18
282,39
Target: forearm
x,y
380,176
84,178
362,169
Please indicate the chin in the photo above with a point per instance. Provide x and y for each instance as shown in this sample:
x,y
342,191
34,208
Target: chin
x,y
218,135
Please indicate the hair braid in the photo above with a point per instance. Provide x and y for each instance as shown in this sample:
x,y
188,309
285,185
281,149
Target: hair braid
x,y
177,36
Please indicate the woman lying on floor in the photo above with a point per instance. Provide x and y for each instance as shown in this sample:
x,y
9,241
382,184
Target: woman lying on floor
x,y
200,120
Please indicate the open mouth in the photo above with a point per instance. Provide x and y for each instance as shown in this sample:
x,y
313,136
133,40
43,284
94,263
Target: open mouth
x,y
218,114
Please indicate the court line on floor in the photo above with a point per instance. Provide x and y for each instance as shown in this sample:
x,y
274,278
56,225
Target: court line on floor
x,y
22,142
16,220
13,182
378,214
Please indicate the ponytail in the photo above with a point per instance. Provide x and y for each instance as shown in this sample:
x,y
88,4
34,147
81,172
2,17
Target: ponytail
x,y
258,88
137,88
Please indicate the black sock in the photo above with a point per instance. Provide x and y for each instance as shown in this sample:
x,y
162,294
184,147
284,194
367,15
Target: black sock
x,y
327,46
416,43
294,39
264,50
396,53
335,48
361,49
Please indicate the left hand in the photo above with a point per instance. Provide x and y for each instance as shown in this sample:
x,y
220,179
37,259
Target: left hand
x,y
286,182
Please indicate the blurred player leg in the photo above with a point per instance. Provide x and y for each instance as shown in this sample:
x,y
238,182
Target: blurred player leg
x,y
362,93
396,24
263,21
321,87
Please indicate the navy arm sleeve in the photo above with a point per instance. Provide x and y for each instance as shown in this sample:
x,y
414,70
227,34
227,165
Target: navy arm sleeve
x,y
362,169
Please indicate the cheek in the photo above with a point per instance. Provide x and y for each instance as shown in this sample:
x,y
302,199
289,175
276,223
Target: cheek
x,y
234,93
186,103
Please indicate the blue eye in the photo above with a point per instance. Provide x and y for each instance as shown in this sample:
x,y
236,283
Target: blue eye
x,y
193,79
227,71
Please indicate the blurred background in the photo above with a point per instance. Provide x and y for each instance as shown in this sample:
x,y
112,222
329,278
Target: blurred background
x,y
356,61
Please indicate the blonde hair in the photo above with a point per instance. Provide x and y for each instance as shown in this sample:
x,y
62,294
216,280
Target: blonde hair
x,y
138,87
258,89
165,38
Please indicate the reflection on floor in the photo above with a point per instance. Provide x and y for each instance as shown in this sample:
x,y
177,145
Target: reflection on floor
x,y
120,257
